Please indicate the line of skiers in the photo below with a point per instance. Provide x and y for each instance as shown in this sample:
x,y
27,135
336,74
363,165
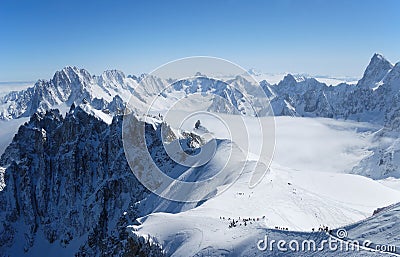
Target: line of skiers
x,y
239,222
246,221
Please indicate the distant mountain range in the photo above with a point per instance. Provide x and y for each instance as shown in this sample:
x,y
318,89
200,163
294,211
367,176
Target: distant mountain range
x,y
372,99
66,186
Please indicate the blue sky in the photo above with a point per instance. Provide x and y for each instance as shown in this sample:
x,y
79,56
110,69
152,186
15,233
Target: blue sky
x,y
313,36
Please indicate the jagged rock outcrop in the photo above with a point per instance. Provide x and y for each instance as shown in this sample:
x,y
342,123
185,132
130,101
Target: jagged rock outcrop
x,y
377,69
67,184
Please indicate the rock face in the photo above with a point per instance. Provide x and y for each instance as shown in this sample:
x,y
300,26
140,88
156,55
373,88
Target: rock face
x,y
67,184
376,71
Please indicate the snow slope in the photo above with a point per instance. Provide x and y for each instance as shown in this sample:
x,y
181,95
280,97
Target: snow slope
x,y
310,200
380,230
307,187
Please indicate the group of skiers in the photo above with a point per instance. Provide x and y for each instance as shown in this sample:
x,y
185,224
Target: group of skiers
x,y
322,228
239,222
247,221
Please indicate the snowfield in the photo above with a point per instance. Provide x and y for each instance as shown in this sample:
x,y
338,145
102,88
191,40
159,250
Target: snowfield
x,y
307,186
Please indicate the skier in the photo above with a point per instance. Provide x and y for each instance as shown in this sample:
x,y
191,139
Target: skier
x,y
197,125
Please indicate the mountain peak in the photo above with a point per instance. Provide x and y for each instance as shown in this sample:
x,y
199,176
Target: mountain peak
x,y
73,71
71,74
379,59
378,56
69,68
114,77
288,79
113,73
376,70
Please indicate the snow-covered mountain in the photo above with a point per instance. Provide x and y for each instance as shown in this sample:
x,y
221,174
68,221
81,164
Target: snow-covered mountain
x,y
109,91
308,97
66,186
70,85
376,71
373,98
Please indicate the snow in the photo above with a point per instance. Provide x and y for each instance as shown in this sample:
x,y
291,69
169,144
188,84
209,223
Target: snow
x,y
310,181
310,200
391,182
107,118
307,186
382,228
